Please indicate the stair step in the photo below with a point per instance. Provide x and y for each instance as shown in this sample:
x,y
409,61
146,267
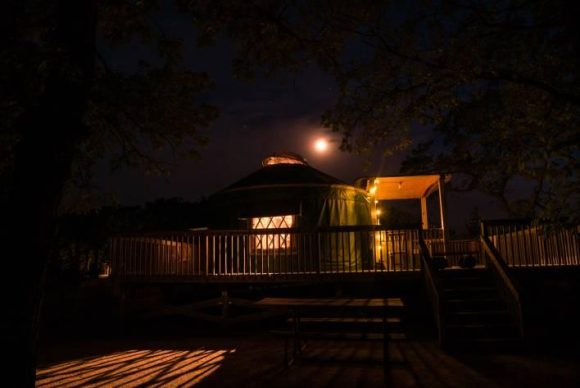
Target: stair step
x,y
468,283
469,289
471,275
474,317
451,272
477,326
472,300
481,331
479,313
473,304
486,278
469,293
508,344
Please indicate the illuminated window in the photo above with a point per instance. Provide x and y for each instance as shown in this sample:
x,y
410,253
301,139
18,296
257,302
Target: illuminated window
x,y
275,240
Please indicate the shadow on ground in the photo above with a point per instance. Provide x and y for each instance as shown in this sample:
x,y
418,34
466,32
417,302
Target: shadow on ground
x,y
256,361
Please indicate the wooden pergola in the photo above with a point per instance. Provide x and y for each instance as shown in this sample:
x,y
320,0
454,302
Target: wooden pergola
x,y
390,188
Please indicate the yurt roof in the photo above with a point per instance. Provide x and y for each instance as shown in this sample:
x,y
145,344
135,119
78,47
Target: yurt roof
x,y
284,169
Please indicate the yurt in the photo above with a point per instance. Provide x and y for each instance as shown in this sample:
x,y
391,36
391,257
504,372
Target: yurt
x,y
288,193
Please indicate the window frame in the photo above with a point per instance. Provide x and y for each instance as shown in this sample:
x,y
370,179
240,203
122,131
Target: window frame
x,y
272,241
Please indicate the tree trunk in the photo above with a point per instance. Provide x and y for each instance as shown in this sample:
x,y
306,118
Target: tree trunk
x,y
50,134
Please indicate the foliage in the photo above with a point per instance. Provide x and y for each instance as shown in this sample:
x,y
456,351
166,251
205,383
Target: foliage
x,y
497,81
82,241
61,108
147,115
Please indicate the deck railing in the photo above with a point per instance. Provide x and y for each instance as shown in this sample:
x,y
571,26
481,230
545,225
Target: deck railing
x,y
453,250
432,286
506,285
522,244
266,252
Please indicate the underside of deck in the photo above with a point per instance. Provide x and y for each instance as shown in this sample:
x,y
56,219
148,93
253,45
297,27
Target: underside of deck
x,y
329,277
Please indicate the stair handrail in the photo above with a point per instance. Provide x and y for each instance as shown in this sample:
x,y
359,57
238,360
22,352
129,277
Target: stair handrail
x,y
505,281
433,288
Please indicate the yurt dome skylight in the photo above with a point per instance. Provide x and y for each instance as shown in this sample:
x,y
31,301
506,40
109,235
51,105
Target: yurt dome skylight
x,y
284,157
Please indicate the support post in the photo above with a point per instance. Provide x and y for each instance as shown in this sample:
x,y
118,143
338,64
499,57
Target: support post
x,y
482,228
443,206
121,292
424,213
225,303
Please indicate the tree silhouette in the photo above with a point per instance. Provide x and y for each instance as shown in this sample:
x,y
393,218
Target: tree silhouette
x,y
497,82
82,239
62,106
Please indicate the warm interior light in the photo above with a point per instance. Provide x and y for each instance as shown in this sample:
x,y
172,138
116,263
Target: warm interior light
x,y
284,157
321,145
273,241
380,246
373,190
281,160
378,212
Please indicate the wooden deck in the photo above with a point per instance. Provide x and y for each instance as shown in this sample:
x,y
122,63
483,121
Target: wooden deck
x,y
350,254
254,361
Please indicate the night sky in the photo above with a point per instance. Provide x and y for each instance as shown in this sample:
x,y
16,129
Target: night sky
x,y
255,120
257,117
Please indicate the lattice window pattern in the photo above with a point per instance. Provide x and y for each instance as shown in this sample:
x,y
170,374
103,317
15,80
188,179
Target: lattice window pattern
x,y
273,241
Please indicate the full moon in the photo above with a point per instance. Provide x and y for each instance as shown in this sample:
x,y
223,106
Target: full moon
x,y
321,145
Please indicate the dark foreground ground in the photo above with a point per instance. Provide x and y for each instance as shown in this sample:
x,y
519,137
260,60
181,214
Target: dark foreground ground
x,y
256,360
81,346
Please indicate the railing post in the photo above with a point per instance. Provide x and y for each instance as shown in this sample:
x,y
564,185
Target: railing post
x,y
433,289
483,235
112,256
420,243
206,255
505,282
443,208
319,253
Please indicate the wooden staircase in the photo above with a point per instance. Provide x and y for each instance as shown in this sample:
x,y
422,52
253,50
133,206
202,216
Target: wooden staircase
x,y
474,315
